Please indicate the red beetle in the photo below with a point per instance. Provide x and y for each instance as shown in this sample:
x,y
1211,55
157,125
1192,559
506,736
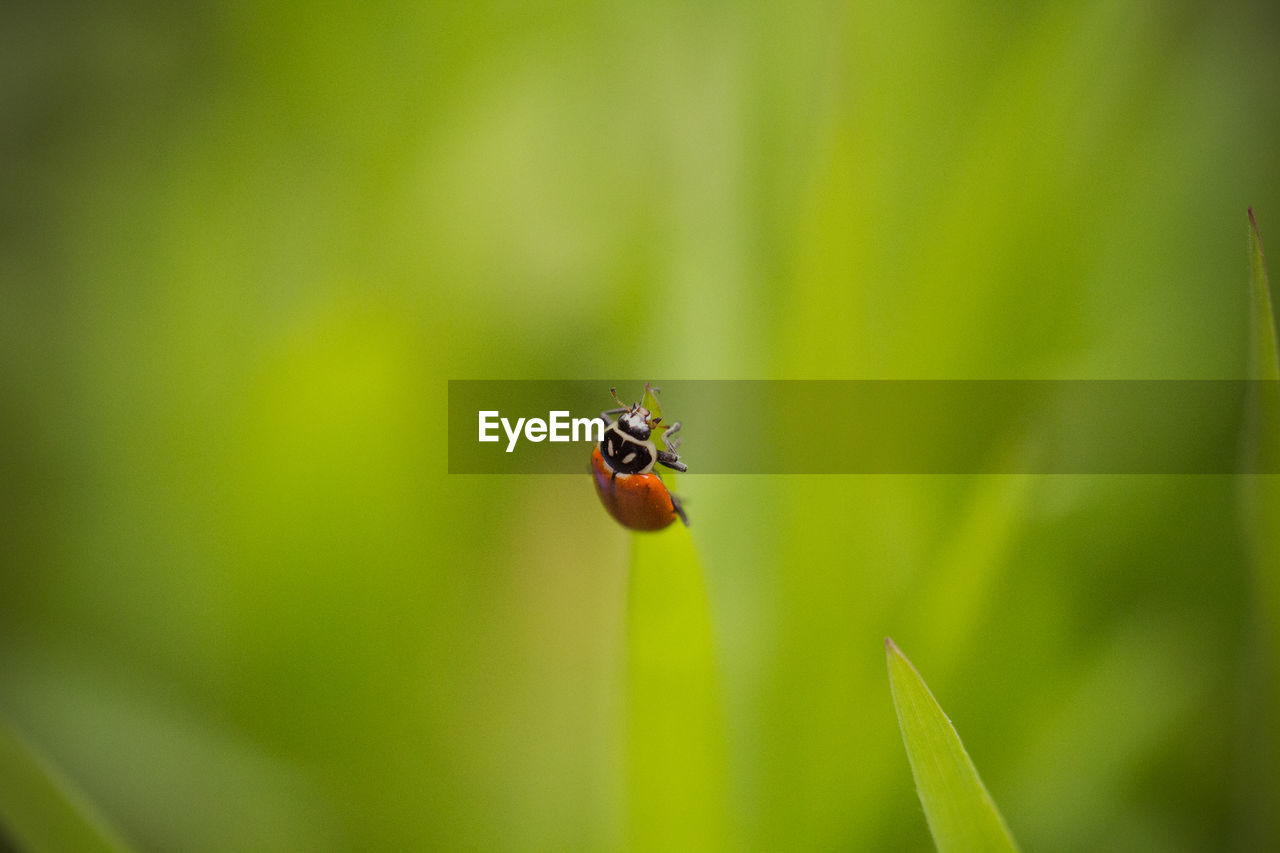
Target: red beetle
x,y
622,469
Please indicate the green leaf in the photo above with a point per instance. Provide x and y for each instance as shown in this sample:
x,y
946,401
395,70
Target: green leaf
x,y
677,784
650,402
1261,444
961,814
1260,509
1265,362
40,810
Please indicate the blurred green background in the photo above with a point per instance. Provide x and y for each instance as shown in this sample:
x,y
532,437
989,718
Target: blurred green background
x,y
244,246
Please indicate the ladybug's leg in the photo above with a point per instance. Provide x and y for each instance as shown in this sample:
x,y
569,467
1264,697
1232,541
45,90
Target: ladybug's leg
x,y
608,415
671,460
679,509
670,439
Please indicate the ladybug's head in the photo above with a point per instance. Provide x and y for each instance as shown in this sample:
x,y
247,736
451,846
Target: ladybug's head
x,y
636,423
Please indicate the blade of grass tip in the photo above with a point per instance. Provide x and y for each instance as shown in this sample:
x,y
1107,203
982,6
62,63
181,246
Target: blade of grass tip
x,y
650,402
677,784
40,810
961,814
1260,511
1264,357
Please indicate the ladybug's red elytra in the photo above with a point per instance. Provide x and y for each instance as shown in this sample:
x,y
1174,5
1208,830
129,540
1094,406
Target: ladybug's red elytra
x,y
622,468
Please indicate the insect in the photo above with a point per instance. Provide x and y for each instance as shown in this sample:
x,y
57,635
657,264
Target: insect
x,y
622,468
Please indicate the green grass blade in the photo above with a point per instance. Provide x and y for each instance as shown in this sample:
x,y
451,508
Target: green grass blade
x,y
650,402
676,753
1260,510
961,814
1264,357
41,811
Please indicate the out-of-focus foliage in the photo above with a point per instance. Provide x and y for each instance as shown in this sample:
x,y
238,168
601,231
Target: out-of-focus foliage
x,y
244,246
42,811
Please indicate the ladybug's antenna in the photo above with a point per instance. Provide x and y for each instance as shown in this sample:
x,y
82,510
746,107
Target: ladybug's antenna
x,y
618,400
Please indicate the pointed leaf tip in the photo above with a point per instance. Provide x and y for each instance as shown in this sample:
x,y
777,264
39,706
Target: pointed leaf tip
x,y
961,814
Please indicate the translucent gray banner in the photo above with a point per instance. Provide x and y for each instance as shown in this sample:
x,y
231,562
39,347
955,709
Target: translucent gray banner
x,y
881,427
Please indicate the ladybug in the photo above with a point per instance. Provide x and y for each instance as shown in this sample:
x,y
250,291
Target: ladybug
x,y
622,469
